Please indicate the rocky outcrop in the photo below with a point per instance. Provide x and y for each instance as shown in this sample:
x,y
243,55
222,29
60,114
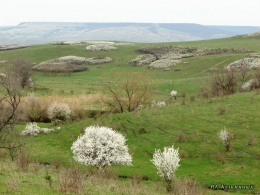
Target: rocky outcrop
x,y
100,47
89,43
163,52
250,63
11,47
81,60
143,60
71,59
98,60
180,56
63,64
52,66
178,52
253,55
162,64
70,63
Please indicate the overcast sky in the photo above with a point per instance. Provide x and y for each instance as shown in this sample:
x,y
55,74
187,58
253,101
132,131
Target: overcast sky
x,y
207,12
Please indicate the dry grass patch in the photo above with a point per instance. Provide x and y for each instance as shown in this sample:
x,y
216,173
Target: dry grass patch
x,y
34,108
22,161
220,156
251,141
71,180
12,184
187,186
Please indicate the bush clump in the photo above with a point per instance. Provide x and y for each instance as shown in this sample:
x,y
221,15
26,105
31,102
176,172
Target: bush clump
x,y
32,129
101,147
59,111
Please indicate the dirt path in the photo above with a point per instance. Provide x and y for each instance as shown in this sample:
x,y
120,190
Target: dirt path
x,y
209,68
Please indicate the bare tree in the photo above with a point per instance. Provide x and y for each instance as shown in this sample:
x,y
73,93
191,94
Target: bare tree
x,y
224,82
127,91
22,71
243,74
9,101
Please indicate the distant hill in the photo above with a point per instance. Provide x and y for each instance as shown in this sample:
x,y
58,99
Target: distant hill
x,y
44,32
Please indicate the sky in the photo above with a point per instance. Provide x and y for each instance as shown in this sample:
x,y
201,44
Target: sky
x,y
205,12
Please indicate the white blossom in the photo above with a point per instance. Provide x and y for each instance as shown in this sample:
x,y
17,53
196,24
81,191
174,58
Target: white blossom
x,y
223,136
166,162
33,129
59,111
100,147
173,93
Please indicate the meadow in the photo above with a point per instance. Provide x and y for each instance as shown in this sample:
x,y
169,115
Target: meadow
x,y
191,123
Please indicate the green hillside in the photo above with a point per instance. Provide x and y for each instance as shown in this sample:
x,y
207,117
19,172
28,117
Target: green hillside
x,y
191,122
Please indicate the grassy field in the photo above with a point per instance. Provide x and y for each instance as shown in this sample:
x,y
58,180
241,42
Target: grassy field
x,y
191,123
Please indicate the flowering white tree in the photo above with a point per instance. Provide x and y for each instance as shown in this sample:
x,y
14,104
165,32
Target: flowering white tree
x,y
59,111
225,137
167,163
101,147
173,94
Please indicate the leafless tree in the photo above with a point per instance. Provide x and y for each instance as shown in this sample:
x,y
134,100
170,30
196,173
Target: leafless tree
x,y
22,70
127,91
243,74
224,82
9,101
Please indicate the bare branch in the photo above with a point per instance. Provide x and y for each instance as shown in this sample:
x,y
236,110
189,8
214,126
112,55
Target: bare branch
x,y
130,90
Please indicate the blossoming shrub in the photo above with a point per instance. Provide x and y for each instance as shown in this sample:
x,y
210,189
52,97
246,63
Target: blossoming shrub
x,y
33,129
173,94
59,111
225,137
101,147
166,163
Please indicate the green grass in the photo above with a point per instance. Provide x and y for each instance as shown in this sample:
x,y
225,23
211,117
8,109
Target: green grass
x,y
198,121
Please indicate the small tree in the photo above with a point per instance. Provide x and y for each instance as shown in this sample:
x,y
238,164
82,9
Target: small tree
x,y
22,71
59,112
167,163
173,94
101,147
224,82
9,102
127,91
225,137
244,75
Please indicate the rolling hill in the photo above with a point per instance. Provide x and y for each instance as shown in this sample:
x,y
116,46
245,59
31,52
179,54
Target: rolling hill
x,y
44,32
